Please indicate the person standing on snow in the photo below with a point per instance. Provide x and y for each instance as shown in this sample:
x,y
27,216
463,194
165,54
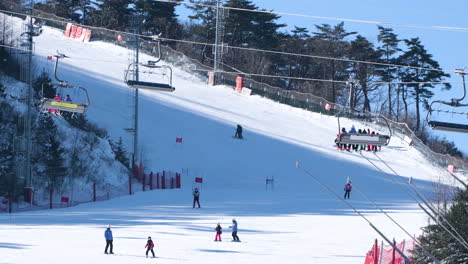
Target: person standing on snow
x,y
109,240
219,231
196,197
347,189
149,246
238,132
234,231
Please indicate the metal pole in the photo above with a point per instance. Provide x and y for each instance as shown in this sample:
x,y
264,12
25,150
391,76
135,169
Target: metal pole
x,y
29,103
135,128
217,37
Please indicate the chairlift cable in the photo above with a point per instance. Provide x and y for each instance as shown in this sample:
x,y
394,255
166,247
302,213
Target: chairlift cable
x,y
448,28
243,48
355,210
426,201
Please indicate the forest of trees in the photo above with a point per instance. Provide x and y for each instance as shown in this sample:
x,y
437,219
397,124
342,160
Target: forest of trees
x,y
378,87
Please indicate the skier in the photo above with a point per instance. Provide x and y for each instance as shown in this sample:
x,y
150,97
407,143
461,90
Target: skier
x,y
109,240
347,189
234,231
219,231
196,197
57,97
68,99
149,246
238,132
353,131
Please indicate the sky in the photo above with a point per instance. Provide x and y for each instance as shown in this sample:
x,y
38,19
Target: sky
x,y
448,47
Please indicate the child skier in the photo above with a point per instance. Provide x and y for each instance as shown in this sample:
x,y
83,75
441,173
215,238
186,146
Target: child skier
x,y
347,190
218,232
149,246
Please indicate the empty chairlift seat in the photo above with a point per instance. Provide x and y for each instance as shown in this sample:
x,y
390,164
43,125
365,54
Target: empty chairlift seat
x,y
150,86
452,127
158,86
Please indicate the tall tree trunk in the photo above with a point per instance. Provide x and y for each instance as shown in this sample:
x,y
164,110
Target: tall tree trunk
x,y
398,104
403,97
418,121
390,101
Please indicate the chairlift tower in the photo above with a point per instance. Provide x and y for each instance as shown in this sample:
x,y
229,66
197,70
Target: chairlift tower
x,y
136,23
219,38
23,146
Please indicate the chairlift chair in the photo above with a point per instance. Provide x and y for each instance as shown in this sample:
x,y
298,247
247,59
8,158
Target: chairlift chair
x,y
72,107
167,87
454,102
363,139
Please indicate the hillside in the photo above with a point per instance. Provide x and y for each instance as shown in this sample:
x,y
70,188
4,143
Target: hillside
x,y
296,222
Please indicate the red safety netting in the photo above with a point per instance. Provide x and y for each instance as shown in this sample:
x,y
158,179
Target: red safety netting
x,y
386,254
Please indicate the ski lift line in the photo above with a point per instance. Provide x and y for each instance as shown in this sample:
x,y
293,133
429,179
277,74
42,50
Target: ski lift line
x,y
461,241
459,180
450,28
450,112
244,48
12,47
427,203
319,80
355,210
426,252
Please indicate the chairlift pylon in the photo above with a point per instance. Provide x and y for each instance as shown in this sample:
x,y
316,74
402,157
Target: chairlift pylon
x,y
454,102
67,106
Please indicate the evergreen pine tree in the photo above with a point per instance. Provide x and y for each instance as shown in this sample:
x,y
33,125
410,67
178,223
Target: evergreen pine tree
x,y
159,17
332,42
43,87
112,14
49,162
439,242
363,50
120,153
389,47
418,56
8,180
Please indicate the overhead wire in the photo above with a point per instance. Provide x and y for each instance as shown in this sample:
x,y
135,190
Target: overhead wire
x,y
354,209
250,74
242,48
450,28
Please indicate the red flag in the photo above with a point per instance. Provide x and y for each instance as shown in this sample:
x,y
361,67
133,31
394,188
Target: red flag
x,y
178,140
49,57
199,179
64,199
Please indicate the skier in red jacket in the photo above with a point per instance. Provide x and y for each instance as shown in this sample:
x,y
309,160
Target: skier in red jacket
x,y
149,246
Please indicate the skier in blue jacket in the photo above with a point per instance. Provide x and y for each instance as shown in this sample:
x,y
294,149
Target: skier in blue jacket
x,y
234,231
109,240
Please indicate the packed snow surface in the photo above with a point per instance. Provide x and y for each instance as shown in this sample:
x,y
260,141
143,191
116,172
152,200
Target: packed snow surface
x,y
294,221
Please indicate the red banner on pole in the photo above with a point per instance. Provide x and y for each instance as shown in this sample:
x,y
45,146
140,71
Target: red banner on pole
x,y
199,179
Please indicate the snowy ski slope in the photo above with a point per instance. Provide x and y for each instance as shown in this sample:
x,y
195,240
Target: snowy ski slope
x,y
296,222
